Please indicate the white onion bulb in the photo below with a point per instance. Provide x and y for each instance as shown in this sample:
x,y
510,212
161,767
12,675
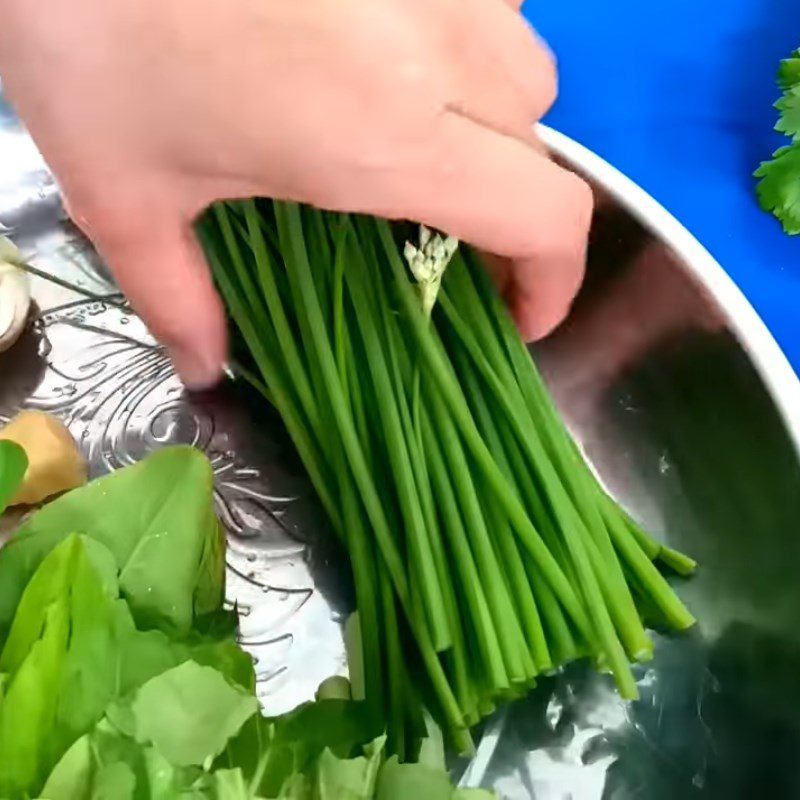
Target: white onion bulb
x,y
15,295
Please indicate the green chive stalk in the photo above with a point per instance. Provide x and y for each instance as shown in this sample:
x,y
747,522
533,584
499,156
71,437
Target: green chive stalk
x,y
483,550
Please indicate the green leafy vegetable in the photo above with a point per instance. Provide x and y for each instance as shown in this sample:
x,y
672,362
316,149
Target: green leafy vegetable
x,y
59,659
13,463
187,713
73,649
299,764
399,781
779,186
156,518
69,642
789,71
349,778
106,763
94,707
289,760
224,784
789,106
72,776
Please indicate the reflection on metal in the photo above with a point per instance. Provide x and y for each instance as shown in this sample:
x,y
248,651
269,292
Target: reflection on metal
x,y
665,401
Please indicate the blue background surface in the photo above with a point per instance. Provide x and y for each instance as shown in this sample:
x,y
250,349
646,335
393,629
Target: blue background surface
x,y
678,95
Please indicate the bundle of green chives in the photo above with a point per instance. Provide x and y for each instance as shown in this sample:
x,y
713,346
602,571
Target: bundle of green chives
x,y
483,551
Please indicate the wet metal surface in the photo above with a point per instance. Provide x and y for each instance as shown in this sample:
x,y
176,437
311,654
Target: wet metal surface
x,y
664,401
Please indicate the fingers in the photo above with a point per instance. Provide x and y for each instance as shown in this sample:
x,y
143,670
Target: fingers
x,y
524,289
507,199
542,291
502,76
539,292
162,271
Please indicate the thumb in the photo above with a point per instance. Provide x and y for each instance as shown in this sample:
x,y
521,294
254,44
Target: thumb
x,y
161,269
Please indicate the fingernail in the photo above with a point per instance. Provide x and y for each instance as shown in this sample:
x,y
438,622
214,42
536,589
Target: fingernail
x,y
196,371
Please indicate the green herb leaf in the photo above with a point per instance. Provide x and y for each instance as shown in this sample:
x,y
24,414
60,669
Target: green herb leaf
x,y
114,781
60,658
225,784
226,657
13,465
350,778
789,72
400,781
142,654
339,725
28,712
52,582
72,776
789,106
431,750
273,752
106,763
73,648
156,518
188,713
779,188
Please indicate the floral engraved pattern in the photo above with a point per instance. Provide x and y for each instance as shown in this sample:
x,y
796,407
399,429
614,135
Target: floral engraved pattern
x,y
97,368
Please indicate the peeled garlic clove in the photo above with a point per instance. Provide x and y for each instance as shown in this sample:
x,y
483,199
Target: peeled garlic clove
x,y
15,295
9,251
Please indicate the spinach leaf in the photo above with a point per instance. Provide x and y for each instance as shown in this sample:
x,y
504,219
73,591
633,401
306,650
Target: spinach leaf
x,y
120,675
13,465
157,520
401,781
188,714
51,583
60,667
106,763
350,778
73,648
277,752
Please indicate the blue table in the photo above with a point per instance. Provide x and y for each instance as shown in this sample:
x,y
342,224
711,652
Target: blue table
x,y
678,95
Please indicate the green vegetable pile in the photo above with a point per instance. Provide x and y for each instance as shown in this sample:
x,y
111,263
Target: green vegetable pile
x,y
120,676
484,553
779,185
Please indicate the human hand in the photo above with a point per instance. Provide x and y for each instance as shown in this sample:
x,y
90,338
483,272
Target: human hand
x,y
147,112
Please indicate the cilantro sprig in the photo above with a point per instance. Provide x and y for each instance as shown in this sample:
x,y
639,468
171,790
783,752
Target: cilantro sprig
x,y
778,189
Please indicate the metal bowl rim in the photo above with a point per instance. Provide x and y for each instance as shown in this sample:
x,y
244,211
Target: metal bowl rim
x,y
748,327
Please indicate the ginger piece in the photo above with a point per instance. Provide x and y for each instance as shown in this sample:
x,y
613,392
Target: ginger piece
x,y
55,464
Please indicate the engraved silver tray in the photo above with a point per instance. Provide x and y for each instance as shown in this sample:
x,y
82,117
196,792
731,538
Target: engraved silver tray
x,y
678,395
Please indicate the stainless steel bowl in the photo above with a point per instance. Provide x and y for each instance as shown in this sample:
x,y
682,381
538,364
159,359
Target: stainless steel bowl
x,y
677,393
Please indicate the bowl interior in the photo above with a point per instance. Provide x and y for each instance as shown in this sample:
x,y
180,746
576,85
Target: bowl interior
x,y
667,393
